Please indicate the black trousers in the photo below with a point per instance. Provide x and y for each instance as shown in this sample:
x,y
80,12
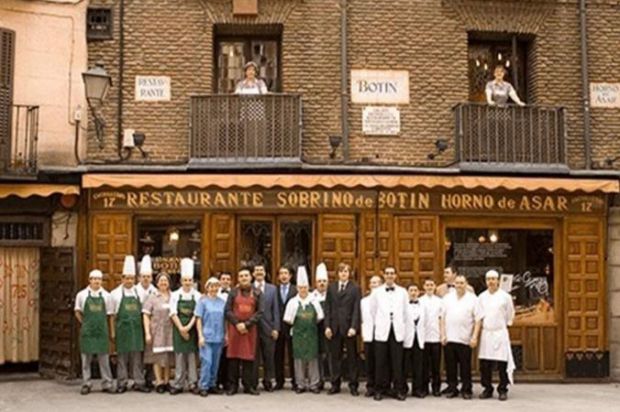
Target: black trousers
x,y
458,358
414,368
486,375
389,360
370,362
265,355
222,372
432,362
283,356
248,378
337,346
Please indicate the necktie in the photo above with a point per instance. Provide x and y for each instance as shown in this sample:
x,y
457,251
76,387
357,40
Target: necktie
x,y
284,292
342,285
414,302
390,289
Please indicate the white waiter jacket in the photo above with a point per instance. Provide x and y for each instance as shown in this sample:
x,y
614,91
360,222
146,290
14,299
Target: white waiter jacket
x,y
414,326
389,310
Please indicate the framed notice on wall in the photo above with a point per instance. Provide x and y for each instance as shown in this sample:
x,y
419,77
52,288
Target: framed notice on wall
x,y
381,121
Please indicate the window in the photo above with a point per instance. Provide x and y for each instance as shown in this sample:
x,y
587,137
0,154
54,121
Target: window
x,y
24,231
7,59
99,23
488,50
237,45
523,257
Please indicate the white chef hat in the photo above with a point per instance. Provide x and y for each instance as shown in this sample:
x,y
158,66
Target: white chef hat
x,y
321,272
302,276
146,267
129,266
95,274
492,274
187,268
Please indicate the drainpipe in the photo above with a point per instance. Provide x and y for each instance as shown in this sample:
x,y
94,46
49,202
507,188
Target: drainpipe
x,y
585,82
344,96
121,73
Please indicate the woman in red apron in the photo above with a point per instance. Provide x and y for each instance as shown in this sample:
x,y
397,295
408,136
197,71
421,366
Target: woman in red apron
x,y
243,311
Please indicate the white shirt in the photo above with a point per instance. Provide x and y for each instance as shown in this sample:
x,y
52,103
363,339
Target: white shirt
x,y
290,312
151,290
223,295
260,286
342,285
414,326
389,310
460,316
80,299
368,323
179,294
318,296
117,296
434,308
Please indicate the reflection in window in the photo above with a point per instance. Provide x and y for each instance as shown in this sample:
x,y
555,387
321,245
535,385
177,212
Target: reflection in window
x,y
296,245
523,257
256,244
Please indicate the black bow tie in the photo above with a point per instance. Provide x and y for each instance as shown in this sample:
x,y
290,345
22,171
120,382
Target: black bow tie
x,y
450,286
390,289
225,291
415,302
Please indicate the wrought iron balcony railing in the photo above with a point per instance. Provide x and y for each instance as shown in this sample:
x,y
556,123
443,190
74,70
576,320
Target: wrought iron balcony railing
x,y
531,136
19,128
243,128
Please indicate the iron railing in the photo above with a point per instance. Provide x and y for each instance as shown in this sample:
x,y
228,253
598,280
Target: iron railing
x,y
530,135
238,128
18,141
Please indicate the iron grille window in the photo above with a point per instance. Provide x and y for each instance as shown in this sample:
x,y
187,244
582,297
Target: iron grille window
x,y
99,24
24,231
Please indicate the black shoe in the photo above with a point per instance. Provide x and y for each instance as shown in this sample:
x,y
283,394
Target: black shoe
x,y
108,390
141,388
232,391
203,392
417,394
121,389
321,386
160,388
378,397
452,394
369,393
175,391
446,391
316,390
85,390
467,395
436,393
503,396
333,390
401,396
486,395
354,391
299,390
215,391
251,391
279,386
268,387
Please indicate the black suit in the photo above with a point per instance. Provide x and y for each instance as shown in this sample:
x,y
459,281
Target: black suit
x,y
342,312
284,342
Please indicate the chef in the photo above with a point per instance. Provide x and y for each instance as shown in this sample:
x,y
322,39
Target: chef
x,y
496,312
368,336
303,313
319,294
414,341
146,289
185,337
128,330
432,338
93,307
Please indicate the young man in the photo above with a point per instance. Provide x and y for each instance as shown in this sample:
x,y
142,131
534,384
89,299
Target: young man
x,y
320,294
93,309
303,313
432,338
284,349
459,330
225,285
415,339
389,305
449,275
269,327
342,323
185,336
128,330
223,292
243,313
146,289
368,336
496,312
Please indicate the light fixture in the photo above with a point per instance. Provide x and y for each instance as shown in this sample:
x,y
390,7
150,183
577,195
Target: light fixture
x,y
138,140
97,82
441,145
482,239
477,62
334,142
173,235
493,236
507,63
499,57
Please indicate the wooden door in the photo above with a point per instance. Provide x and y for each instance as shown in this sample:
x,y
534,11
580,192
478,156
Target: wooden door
x,y
111,242
221,243
337,242
58,354
416,248
7,63
376,245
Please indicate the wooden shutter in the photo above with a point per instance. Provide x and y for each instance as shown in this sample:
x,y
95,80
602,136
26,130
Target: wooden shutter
x,y
222,243
337,241
416,244
7,63
111,242
375,246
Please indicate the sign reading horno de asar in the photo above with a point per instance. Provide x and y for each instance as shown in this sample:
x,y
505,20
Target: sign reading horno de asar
x,y
152,88
606,95
298,199
380,86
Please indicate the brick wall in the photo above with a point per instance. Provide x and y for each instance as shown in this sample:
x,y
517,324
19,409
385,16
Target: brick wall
x,y
428,38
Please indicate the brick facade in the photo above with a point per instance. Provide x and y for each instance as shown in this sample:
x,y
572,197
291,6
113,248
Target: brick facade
x,y
428,38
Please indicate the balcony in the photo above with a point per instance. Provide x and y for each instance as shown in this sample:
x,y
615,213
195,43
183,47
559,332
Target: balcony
x,y
510,138
256,129
19,128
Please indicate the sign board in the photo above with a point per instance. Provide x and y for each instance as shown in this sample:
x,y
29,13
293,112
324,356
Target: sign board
x,y
605,95
152,88
380,120
380,86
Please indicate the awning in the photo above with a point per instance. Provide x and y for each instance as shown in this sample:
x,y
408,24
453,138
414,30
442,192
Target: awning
x,y
226,181
25,190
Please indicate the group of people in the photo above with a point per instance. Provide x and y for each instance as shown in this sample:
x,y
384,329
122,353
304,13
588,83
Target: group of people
x,y
228,333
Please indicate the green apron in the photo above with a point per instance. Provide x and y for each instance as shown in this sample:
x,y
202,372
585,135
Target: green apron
x,y
129,331
94,332
305,333
185,312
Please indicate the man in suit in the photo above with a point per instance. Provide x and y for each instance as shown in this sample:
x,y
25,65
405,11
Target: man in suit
x,y
284,349
342,323
269,327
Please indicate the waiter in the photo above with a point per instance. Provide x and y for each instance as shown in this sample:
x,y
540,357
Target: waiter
x,y
342,322
185,336
243,312
223,292
93,307
496,312
269,327
415,339
319,294
449,276
368,336
128,330
432,335
284,347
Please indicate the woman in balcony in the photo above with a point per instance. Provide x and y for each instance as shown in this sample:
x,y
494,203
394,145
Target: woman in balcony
x,y
252,115
251,84
498,90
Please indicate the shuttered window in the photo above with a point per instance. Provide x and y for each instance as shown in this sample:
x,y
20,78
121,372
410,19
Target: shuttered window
x,y
7,62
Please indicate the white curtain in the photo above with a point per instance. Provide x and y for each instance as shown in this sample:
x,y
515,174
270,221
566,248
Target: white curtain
x,y
19,304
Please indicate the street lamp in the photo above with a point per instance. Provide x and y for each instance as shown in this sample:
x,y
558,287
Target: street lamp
x,y
97,82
